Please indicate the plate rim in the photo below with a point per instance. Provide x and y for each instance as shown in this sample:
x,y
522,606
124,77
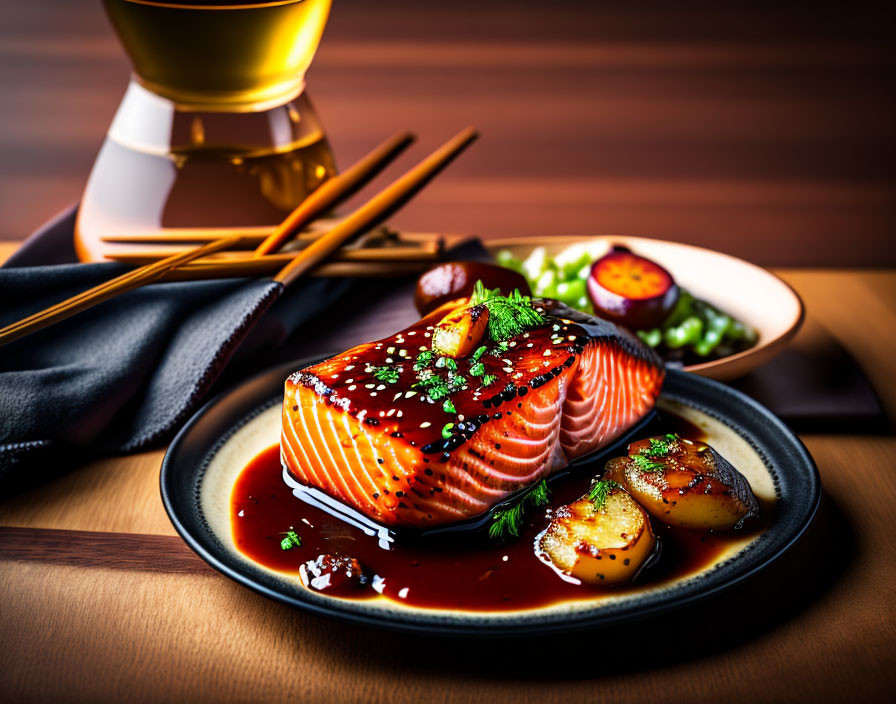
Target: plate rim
x,y
512,626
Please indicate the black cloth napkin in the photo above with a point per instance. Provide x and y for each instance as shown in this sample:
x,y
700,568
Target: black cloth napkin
x,y
126,374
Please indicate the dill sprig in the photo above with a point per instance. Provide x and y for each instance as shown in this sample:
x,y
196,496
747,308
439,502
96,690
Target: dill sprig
x,y
509,521
387,374
292,540
477,369
508,316
599,492
488,379
660,448
645,464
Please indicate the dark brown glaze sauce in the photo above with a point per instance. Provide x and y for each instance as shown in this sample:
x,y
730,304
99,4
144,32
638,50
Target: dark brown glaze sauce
x,y
486,577
531,360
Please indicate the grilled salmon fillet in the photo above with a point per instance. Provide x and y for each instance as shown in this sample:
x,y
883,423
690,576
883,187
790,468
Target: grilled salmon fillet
x,y
370,427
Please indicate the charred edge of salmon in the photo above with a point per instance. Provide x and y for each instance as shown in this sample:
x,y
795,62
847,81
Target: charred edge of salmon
x,y
598,329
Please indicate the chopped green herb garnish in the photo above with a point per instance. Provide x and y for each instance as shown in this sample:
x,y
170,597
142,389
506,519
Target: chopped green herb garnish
x,y
448,406
500,348
387,374
489,379
450,364
599,492
424,359
477,369
477,355
508,521
645,464
660,448
508,316
439,391
292,540
446,430
455,381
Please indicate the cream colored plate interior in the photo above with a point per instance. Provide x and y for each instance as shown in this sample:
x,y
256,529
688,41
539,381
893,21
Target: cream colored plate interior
x,y
263,431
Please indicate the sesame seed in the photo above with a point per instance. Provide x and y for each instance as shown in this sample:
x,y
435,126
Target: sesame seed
x,y
409,394
425,424
352,387
390,413
547,353
369,386
380,387
390,350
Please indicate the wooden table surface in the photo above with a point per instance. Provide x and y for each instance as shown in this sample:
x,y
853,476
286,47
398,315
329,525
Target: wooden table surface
x,y
762,132
101,601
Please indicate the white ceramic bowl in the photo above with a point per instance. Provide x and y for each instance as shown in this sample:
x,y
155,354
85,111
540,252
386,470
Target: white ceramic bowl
x,y
748,292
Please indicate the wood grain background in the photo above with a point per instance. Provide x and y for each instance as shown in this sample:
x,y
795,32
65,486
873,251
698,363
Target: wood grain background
x,y
763,130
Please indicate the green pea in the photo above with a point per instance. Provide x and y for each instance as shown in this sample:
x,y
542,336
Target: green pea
x,y
505,258
651,338
688,333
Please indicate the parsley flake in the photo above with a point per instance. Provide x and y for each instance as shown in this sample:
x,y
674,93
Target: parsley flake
x,y
292,540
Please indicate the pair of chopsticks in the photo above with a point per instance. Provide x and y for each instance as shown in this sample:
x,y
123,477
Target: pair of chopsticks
x,y
330,193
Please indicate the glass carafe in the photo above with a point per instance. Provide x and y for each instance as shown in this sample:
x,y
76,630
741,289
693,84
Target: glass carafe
x,y
215,131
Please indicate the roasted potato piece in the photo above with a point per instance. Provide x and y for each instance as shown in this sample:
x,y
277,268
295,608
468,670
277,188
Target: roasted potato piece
x,y
684,483
459,333
606,545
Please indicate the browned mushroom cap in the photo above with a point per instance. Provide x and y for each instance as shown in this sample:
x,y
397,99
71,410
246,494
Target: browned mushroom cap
x,y
453,280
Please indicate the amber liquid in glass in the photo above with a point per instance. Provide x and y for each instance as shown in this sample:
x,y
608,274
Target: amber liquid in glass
x,y
215,131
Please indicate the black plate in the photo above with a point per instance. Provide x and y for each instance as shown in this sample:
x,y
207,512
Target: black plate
x,y
794,473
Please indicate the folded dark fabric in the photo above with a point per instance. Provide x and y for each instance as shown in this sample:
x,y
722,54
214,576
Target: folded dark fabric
x,y
126,374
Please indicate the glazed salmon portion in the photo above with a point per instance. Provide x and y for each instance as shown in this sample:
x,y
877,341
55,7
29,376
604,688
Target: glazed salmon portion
x,y
411,438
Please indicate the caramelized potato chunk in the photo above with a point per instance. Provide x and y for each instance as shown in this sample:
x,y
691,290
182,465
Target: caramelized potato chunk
x,y
459,333
599,546
684,483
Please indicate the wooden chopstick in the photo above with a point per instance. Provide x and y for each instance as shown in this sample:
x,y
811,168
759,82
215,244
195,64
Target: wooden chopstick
x,y
109,289
334,191
263,266
362,219
426,251
377,208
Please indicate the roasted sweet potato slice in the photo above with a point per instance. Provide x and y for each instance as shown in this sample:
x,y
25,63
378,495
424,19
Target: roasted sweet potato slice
x,y
684,483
